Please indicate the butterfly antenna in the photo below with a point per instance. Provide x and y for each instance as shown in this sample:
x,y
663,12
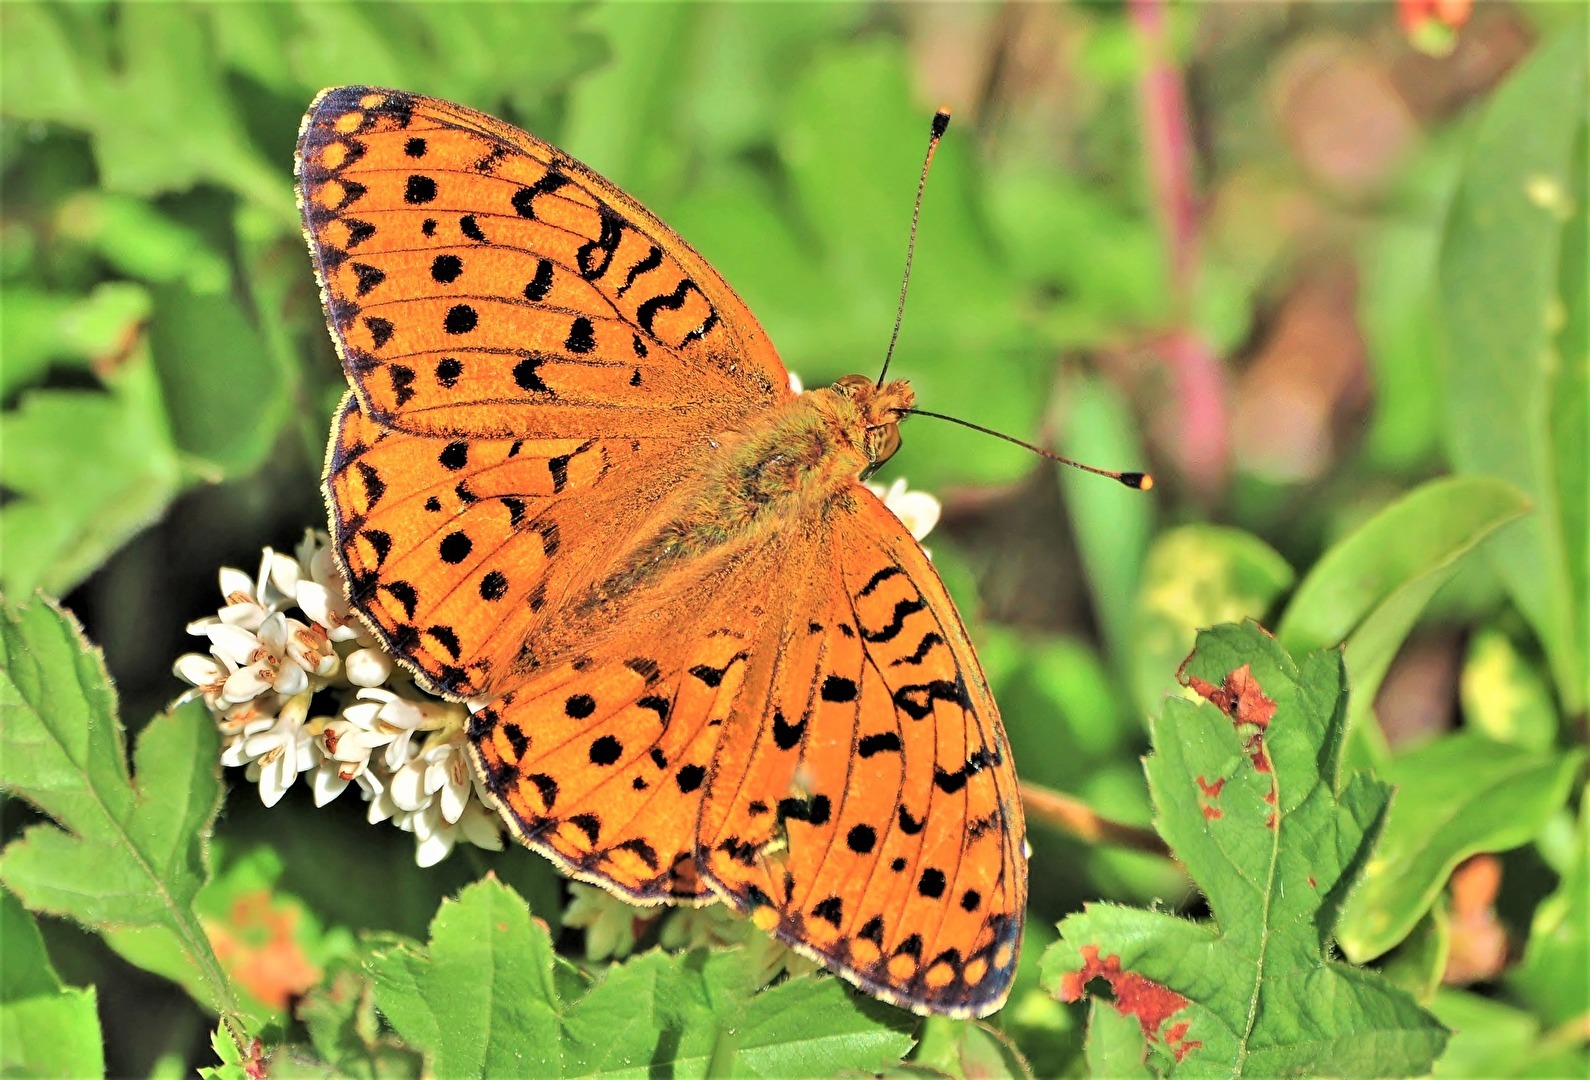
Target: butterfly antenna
x,y
1140,481
941,121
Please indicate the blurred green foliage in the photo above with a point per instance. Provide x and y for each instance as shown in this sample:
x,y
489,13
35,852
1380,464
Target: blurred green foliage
x,y
1397,397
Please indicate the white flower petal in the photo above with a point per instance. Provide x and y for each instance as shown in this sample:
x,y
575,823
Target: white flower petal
x,y
232,643
408,787
246,683
368,667
199,670
480,827
432,849
327,783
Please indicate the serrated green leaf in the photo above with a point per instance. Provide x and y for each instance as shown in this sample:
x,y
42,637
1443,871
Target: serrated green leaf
x,y
1456,797
615,1029
89,470
482,999
1500,271
46,1029
1369,588
125,851
815,1026
1196,576
1247,793
479,999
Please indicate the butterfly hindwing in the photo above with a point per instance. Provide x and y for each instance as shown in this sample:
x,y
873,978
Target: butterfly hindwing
x,y
891,847
602,764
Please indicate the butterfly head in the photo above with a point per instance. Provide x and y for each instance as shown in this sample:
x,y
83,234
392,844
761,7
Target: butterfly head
x,y
881,408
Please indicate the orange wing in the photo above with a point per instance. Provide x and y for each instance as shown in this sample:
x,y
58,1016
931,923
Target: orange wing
x,y
481,283
894,849
521,338
830,761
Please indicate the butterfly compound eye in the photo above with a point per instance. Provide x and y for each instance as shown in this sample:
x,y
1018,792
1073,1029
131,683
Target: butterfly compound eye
x,y
882,442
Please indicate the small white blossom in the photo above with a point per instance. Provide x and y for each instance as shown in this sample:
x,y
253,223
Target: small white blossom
x,y
368,667
795,384
917,510
244,605
269,666
398,718
276,749
323,596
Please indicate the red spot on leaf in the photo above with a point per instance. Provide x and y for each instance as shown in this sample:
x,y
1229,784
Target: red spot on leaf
x,y
1176,1039
1210,791
1312,883
1239,696
1135,995
1271,821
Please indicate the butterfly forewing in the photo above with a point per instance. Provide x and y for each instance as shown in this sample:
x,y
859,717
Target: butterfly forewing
x,y
479,282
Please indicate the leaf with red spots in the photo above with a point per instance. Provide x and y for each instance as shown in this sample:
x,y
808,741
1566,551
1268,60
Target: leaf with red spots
x,y
1246,791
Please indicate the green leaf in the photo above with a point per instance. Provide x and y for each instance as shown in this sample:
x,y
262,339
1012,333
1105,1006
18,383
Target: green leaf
x,y
46,1029
479,1000
1418,963
345,1031
816,1026
1557,956
1492,1039
1196,576
223,393
40,328
1247,793
1370,587
1505,696
89,470
129,851
273,942
1500,271
1112,523
1116,1047
1456,797
968,1048
483,999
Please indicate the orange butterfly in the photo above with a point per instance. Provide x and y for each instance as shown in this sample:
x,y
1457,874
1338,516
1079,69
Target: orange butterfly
x,y
571,477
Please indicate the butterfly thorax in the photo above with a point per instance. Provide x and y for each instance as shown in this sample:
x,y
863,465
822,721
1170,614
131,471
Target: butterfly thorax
x,y
795,459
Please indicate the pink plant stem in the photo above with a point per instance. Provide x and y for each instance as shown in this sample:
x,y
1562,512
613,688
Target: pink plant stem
x,y
1199,376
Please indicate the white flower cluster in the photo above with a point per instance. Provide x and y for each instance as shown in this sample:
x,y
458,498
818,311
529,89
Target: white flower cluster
x,y
403,748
